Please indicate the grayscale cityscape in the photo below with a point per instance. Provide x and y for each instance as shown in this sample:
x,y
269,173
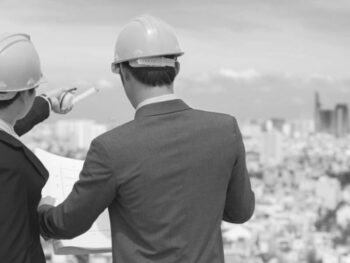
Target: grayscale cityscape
x,y
300,173
280,68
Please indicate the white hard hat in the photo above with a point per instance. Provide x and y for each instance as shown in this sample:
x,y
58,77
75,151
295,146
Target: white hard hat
x,y
19,65
146,40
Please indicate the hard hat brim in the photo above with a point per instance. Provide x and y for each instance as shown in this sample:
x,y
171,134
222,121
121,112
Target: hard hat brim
x,y
115,65
7,95
117,61
42,80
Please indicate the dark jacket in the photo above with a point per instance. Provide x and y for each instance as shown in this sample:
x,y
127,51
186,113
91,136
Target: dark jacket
x,y
168,178
22,176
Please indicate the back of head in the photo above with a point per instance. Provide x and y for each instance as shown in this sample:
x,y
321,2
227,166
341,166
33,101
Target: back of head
x,y
153,76
20,68
148,48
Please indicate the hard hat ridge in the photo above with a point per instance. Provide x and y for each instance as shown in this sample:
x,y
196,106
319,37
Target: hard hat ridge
x,y
8,39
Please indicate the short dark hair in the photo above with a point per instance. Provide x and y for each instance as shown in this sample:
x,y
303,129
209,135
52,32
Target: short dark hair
x,y
152,76
6,103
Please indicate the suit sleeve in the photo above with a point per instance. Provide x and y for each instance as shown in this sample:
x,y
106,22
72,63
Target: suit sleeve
x,y
240,199
90,196
38,113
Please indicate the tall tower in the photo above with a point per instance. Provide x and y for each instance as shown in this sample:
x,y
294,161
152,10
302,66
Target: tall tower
x,y
341,120
317,110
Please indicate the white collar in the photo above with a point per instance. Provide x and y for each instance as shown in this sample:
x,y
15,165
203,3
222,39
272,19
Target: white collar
x,y
8,128
157,99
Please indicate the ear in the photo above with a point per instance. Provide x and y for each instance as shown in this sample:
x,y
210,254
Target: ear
x,y
22,95
177,67
125,72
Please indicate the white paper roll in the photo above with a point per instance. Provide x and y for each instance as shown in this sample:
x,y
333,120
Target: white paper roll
x,y
85,94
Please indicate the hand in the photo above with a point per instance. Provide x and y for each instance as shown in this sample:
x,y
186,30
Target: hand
x,y
61,100
47,200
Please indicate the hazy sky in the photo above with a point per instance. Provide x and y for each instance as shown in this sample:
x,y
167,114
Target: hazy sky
x,y
249,58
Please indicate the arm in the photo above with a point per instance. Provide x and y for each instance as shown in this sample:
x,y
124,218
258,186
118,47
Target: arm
x,y
240,200
38,113
90,196
41,109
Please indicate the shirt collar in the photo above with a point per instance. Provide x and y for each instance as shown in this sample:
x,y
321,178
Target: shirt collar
x,y
8,128
157,99
161,108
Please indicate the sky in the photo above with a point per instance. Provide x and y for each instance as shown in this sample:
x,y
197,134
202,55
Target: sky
x,y
248,58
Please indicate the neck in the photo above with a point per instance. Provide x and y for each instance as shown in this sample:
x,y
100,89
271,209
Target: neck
x,y
8,119
9,115
151,92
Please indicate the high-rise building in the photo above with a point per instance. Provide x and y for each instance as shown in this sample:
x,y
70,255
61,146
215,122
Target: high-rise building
x,y
275,123
79,132
317,110
341,120
330,121
327,121
271,148
302,127
324,119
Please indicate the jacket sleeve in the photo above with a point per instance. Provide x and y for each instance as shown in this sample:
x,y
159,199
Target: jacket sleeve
x,y
38,113
90,196
240,199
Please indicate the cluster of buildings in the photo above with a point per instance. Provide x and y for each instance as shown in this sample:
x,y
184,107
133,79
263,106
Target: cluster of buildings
x,y
302,202
300,172
70,138
332,121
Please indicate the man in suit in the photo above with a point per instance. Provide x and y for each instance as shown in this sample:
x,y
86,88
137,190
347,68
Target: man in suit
x,y
170,176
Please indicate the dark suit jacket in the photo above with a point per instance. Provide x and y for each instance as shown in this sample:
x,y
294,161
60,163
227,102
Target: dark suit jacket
x,y
168,178
22,177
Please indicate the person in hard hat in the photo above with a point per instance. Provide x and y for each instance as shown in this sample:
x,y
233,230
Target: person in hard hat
x,y
170,176
22,175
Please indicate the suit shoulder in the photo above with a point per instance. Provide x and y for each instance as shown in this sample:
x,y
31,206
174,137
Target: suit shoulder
x,y
10,155
216,117
116,132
